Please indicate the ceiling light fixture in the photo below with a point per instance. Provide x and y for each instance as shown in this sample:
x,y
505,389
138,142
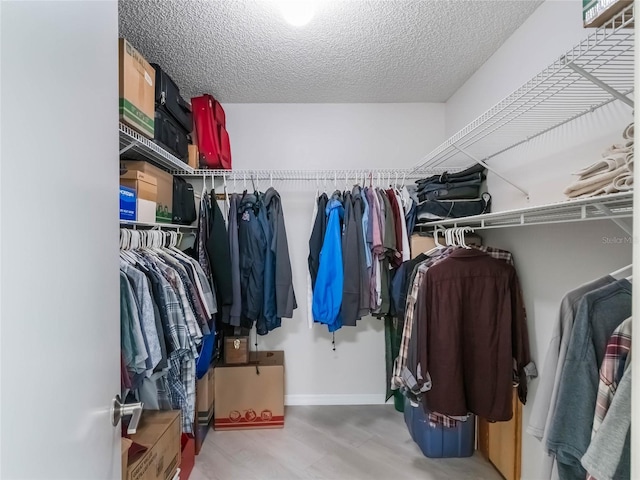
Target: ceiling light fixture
x,y
298,12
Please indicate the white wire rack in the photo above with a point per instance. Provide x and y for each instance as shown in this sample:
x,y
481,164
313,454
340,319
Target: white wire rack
x,y
386,175
594,73
606,207
135,146
145,225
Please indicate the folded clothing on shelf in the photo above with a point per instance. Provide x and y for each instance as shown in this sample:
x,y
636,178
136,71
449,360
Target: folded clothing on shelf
x,y
612,174
432,210
452,195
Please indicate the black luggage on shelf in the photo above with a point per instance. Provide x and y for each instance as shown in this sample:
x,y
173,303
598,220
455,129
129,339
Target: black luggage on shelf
x,y
170,135
168,96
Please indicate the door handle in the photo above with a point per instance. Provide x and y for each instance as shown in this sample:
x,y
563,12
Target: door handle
x,y
119,410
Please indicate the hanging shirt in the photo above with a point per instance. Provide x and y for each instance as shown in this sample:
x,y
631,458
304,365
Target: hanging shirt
x,y
219,258
609,454
147,315
309,281
236,306
284,293
545,401
252,245
365,228
406,249
474,372
599,313
327,294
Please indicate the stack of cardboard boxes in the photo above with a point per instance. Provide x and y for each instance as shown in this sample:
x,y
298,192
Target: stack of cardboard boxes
x,y
159,433
146,192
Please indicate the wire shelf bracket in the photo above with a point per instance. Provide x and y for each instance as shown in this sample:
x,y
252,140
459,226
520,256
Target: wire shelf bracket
x,y
623,225
614,93
491,169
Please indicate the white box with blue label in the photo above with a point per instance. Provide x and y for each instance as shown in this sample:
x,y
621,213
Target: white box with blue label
x,y
128,200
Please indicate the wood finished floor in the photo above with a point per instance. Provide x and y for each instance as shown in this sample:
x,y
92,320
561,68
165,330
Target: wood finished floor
x,y
330,443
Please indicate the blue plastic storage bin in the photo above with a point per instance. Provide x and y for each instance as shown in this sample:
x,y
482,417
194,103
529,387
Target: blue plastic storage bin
x,y
437,441
408,416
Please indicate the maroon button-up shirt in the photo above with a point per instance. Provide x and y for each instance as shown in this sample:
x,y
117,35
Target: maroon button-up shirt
x,y
475,327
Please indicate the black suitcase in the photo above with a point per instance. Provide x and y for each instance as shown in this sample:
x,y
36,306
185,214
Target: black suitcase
x,y
170,135
168,96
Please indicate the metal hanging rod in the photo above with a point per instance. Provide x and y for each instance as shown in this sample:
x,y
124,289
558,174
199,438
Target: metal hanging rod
x,y
386,174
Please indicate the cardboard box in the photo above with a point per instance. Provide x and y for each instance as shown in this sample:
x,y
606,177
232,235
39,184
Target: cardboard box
x,y
125,443
160,432
250,396
194,155
204,398
165,187
145,185
423,243
236,350
128,204
146,211
137,84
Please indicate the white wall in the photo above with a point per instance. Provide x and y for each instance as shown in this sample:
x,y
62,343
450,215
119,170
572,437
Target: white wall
x,y
551,260
60,345
326,136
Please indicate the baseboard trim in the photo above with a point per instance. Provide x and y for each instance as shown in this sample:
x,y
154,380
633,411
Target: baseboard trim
x,y
370,399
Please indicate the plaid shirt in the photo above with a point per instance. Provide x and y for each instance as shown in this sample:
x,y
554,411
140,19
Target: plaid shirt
x,y
181,377
613,366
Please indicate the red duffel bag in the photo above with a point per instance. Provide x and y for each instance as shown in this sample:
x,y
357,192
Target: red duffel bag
x,y
211,133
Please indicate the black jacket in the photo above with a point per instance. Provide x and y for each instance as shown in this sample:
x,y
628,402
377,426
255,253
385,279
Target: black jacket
x,y
317,238
219,256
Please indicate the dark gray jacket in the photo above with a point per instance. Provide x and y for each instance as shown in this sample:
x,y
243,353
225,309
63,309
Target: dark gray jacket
x,y
317,238
351,265
285,295
236,306
358,212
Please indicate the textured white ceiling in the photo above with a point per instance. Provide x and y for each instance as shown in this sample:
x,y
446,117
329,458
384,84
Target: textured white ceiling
x,y
243,51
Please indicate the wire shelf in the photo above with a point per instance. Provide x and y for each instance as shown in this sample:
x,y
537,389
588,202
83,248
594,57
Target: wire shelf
x,y
606,207
172,226
559,94
135,146
384,174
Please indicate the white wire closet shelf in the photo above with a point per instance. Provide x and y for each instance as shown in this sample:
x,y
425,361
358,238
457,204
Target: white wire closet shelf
x,y
136,147
146,225
594,73
614,207
385,175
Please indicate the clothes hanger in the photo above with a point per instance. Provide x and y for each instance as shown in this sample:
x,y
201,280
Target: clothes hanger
x,y
438,246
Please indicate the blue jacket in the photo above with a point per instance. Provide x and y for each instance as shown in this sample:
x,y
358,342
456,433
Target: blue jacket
x,y
327,293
